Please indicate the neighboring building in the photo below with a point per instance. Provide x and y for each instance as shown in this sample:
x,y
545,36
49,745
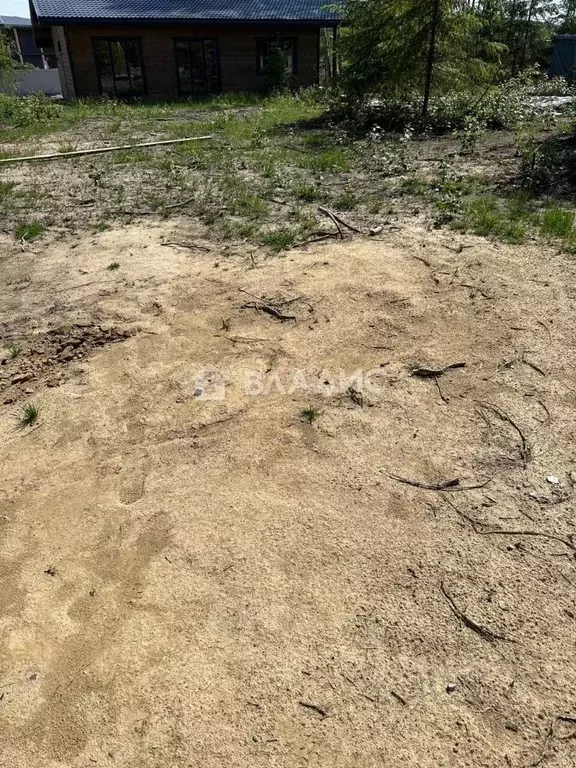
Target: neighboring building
x,y
24,47
564,56
168,49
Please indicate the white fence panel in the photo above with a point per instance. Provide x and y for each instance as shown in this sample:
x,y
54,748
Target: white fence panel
x,y
26,81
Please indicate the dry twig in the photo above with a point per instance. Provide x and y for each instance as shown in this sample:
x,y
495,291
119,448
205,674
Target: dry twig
x,y
445,485
314,708
268,308
525,450
338,219
193,246
484,632
432,373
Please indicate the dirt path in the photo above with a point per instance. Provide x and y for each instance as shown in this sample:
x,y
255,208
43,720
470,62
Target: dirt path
x,y
197,581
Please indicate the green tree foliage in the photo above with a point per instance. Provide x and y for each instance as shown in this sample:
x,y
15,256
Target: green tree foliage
x,y
389,47
6,60
276,74
397,45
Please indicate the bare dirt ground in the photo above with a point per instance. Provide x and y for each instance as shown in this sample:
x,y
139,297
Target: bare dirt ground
x,y
198,582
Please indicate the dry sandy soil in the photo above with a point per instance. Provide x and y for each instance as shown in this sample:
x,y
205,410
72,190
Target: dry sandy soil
x,y
190,581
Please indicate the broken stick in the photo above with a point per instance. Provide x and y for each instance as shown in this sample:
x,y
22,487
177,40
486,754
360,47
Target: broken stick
x,y
444,485
432,373
484,632
336,218
314,708
525,450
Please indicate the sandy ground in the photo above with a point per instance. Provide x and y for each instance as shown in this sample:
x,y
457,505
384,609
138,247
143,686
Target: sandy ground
x,y
190,581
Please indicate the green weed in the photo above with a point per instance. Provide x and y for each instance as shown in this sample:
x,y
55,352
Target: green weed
x,y
488,217
13,349
308,193
5,188
113,266
347,202
413,186
29,232
30,415
310,414
329,160
557,222
278,239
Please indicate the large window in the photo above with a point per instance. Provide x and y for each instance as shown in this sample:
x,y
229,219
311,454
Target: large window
x,y
265,46
119,67
197,67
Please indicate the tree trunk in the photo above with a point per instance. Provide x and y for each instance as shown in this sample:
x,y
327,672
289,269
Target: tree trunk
x,y
431,56
526,34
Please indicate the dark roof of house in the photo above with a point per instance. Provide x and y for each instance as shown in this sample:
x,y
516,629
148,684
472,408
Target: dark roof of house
x,y
216,11
14,21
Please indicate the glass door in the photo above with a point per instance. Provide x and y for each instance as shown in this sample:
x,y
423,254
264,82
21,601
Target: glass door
x,y
197,67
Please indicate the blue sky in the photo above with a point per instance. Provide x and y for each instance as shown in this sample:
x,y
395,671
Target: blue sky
x,y
14,8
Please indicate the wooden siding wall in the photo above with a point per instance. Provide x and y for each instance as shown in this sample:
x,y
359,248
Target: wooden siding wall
x,y
237,46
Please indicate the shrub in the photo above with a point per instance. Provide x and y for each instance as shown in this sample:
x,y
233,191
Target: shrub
x,y
515,101
20,111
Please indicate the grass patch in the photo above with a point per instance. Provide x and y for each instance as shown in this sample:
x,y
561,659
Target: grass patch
x,y
14,350
278,240
413,186
29,232
347,202
5,188
310,414
489,216
308,193
557,222
127,156
113,266
329,160
29,416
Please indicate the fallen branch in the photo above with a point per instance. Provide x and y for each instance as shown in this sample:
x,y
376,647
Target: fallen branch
x,y
399,698
278,314
335,216
100,150
477,526
484,632
445,485
531,365
263,307
432,373
546,329
525,450
442,395
334,219
296,149
192,246
318,239
245,339
181,204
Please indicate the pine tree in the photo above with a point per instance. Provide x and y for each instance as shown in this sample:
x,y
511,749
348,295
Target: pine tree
x,y
394,46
